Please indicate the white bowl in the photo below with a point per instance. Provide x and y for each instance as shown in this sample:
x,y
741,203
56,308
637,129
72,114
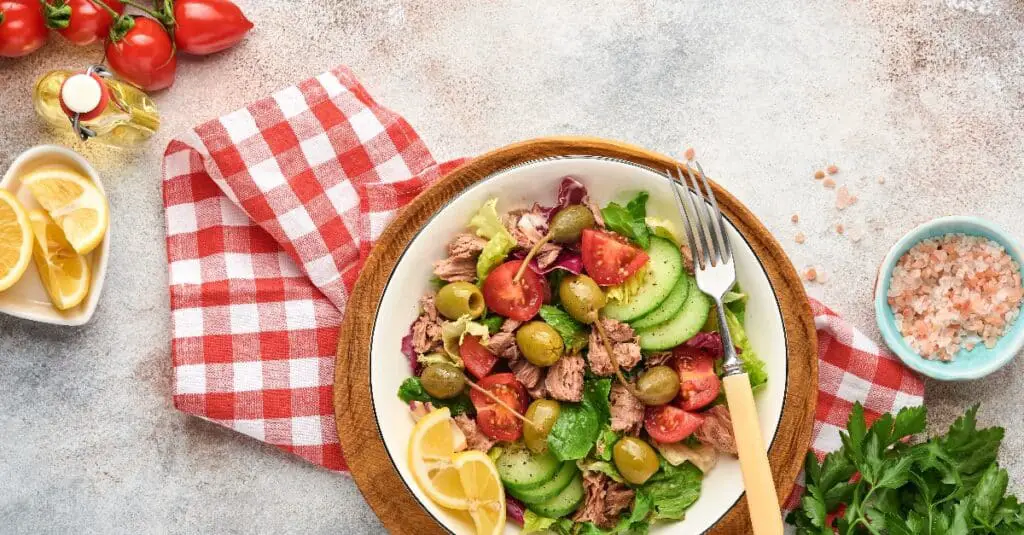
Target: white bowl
x,y
606,180
28,298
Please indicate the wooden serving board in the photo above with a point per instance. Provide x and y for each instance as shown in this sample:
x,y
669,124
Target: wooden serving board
x,y
360,437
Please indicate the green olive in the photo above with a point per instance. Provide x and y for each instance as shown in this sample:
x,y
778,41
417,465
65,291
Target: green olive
x,y
456,299
443,381
539,343
657,386
569,222
581,297
543,413
635,459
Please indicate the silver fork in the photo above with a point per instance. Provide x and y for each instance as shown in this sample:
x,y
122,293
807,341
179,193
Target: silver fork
x,y
716,274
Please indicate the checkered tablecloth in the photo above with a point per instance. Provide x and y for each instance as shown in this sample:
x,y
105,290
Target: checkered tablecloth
x,y
271,211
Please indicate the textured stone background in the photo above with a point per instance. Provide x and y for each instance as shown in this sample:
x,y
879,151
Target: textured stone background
x,y
927,94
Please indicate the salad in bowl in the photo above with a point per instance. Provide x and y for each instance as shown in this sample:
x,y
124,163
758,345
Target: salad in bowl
x,y
565,370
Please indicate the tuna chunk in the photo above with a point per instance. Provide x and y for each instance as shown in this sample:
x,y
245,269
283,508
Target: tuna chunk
x,y
605,500
461,262
657,359
510,325
627,411
623,342
532,377
504,345
716,431
475,439
426,330
565,379
547,255
466,245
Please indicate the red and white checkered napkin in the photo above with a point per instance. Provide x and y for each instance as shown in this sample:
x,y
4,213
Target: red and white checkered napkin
x,y
271,211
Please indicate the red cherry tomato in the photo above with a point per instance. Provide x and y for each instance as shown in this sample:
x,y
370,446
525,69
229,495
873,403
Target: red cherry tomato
x,y
609,258
494,420
207,26
517,300
668,423
22,28
89,22
698,383
144,56
478,359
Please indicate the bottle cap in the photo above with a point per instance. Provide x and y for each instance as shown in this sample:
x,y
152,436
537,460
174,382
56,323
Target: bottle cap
x,y
85,94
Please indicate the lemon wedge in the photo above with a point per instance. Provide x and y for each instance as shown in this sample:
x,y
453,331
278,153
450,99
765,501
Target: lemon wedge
x,y
431,448
15,240
64,272
484,494
73,202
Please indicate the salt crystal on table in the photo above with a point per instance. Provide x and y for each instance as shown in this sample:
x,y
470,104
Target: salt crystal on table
x,y
800,238
819,174
843,198
856,234
689,154
795,218
881,180
828,183
822,274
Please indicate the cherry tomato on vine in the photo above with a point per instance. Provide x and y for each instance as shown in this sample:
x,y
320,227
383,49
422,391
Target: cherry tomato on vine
x,y
206,26
143,55
83,22
22,28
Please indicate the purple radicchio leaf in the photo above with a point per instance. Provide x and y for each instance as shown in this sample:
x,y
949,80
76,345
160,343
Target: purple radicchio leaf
x,y
708,341
568,260
571,191
410,354
514,510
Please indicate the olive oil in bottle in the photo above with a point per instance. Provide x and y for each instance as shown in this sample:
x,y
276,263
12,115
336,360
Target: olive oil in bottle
x,y
94,105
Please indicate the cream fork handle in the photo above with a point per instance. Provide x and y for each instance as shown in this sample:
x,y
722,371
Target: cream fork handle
x,y
765,515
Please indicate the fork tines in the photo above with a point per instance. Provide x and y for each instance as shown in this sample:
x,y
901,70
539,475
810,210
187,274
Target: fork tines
x,y
711,247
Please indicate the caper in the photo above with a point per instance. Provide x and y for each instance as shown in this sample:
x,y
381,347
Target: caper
x,y
542,413
540,343
635,459
569,223
457,299
657,386
443,381
581,297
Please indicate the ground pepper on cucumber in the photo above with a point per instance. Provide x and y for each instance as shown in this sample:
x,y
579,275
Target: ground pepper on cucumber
x,y
571,344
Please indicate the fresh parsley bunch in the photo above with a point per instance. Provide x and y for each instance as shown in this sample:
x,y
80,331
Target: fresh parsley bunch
x,y
878,483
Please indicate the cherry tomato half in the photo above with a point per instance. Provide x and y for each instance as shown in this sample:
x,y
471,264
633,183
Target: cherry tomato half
x,y
144,56
478,359
22,28
668,423
207,26
609,258
698,383
517,300
493,420
89,22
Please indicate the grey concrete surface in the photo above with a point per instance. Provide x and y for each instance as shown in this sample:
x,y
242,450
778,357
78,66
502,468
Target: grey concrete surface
x,y
927,94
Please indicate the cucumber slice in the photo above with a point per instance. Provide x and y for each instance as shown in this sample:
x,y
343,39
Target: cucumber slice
x,y
686,323
665,267
521,469
550,489
668,308
564,502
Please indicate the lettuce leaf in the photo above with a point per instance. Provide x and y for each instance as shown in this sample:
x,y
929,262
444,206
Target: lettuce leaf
x,y
752,364
452,333
664,228
629,220
624,291
606,440
412,390
500,243
574,335
672,490
534,523
604,467
578,426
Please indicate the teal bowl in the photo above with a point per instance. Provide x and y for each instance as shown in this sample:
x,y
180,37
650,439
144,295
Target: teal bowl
x,y
967,365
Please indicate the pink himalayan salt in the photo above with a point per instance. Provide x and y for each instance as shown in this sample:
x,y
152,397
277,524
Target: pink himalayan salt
x,y
844,199
800,238
953,292
828,183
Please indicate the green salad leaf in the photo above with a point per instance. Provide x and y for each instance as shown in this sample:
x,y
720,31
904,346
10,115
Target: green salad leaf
x,y
604,467
493,323
453,332
412,390
672,490
752,364
947,484
606,440
629,220
574,334
534,523
579,424
500,243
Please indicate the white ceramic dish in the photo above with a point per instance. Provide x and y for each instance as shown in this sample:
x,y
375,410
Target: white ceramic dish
x,y
27,298
606,180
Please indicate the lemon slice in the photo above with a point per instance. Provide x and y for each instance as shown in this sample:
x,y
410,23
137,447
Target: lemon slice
x,y
64,272
431,447
74,203
484,494
15,240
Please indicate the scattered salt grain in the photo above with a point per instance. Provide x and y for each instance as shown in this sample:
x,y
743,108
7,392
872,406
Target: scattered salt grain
x,y
800,238
856,234
822,274
832,169
795,218
844,199
819,174
840,228
952,292
810,274
689,154
881,180
829,183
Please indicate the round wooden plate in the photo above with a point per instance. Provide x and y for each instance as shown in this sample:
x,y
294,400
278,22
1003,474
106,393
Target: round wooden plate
x,y
358,432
